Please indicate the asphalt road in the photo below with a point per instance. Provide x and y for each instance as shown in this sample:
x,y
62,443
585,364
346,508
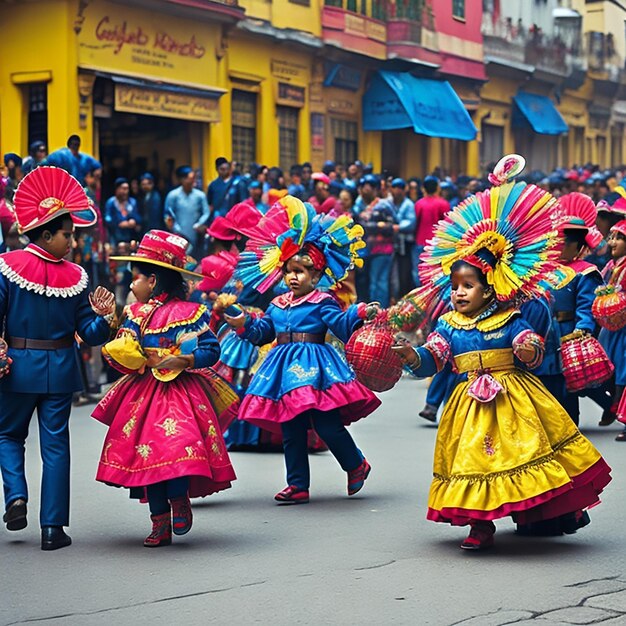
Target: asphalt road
x,y
369,559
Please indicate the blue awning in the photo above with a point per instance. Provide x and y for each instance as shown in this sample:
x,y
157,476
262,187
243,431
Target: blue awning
x,y
431,107
539,112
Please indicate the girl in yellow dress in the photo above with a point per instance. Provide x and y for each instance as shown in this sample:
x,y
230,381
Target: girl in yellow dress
x,y
504,446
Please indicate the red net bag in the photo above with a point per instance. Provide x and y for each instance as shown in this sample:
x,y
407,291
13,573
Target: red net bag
x,y
369,353
585,363
609,307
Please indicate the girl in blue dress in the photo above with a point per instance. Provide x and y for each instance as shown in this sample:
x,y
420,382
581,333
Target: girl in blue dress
x,y
304,382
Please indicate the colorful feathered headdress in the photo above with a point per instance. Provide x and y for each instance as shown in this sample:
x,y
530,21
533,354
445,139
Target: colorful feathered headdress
x,y
293,227
511,232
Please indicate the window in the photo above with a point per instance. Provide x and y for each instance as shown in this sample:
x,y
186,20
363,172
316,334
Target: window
x,y
351,5
244,127
334,3
346,140
410,10
491,145
379,9
287,136
458,9
37,112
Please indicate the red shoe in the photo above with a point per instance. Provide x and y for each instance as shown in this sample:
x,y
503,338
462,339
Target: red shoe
x,y
480,536
161,534
182,515
292,495
357,477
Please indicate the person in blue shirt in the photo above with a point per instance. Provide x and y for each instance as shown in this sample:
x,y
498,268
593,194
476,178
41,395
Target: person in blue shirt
x,y
219,190
405,236
72,160
121,214
151,204
187,211
44,302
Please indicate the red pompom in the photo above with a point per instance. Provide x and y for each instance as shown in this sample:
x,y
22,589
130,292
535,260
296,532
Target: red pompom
x,y
369,353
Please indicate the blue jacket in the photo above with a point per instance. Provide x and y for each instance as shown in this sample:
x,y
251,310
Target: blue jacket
x,y
60,310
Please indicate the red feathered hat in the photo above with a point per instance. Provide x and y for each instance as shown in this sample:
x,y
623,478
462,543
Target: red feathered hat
x,y
158,247
48,192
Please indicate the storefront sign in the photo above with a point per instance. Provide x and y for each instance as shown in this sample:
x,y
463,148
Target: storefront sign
x,y
340,105
288,70
165,104
290,95
146,43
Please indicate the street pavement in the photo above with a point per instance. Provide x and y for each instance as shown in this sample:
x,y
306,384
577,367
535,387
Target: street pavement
x,y
369,559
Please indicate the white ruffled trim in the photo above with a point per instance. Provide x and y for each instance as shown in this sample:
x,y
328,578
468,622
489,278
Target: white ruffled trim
x,y
44,290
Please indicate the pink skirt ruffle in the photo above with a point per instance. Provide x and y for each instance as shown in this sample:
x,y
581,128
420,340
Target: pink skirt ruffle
x,y
353,400
160,431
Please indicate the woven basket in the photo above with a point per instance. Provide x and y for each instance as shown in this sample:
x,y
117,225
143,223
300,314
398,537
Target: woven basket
x,y
369,353
585,363
609,308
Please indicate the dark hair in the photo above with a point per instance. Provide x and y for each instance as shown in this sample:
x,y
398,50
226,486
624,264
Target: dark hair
x,y
53,226
458,265
71,139
575,235
168,281
431,183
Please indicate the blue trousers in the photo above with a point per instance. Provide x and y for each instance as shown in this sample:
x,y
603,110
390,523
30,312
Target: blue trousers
x,y
53,413
160,494
331,430
380,275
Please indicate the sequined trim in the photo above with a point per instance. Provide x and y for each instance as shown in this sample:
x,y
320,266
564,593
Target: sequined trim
x,y
138,319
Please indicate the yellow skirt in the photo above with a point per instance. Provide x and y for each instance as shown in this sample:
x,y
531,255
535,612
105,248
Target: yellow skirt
x,y
519,454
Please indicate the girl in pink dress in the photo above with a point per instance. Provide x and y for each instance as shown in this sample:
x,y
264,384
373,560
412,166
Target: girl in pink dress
x,y
166,416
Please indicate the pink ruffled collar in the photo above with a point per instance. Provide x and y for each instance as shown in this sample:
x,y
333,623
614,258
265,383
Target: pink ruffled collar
x,y
288,299
38,271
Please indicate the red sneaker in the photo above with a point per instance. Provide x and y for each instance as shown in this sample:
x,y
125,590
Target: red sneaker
x,y
357,477
292,495
161,534
480,536
182,515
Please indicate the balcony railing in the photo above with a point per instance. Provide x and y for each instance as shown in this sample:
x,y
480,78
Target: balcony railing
x,y
514,42
602,56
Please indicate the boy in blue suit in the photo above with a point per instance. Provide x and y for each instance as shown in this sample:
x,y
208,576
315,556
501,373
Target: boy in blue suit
x,y
44,302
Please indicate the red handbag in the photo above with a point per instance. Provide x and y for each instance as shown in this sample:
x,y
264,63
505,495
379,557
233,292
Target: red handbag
x,y
585,363
369,353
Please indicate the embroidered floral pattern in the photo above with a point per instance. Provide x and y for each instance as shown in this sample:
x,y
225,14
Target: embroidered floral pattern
x,y
144,450
170,427
301,374
129,426
488,445
439,349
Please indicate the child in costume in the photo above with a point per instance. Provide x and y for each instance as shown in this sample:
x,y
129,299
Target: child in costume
x,y
304,382
166,416
613,299
571,306
44,302
504,445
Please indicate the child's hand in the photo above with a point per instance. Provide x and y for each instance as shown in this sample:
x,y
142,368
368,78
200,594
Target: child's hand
x,y
235,322
372,309
407,354
102,302
5,360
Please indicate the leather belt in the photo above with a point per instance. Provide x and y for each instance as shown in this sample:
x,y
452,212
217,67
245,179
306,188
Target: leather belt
x,y
21,343
564,316
300,338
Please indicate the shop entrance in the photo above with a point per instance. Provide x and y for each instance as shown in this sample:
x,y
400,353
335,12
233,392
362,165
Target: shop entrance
x,y
133,144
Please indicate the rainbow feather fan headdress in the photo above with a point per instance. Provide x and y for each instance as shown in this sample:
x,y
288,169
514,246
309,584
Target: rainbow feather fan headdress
x,y
285,230
511,232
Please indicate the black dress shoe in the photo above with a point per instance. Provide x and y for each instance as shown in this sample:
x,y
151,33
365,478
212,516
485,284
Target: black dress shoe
x,y
54,537
15,516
